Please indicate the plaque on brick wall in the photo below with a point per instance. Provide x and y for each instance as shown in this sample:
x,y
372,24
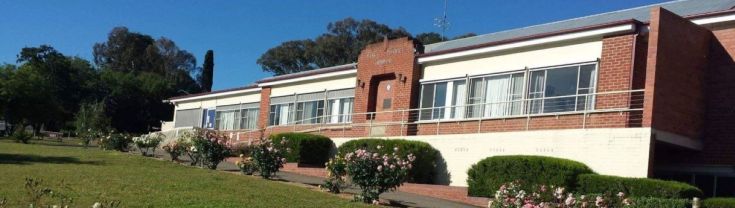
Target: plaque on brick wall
x,y
386,103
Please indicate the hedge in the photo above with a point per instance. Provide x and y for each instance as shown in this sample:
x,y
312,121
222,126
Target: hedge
x,y
486,177
719,202
650,202
424,167
636,187
306,149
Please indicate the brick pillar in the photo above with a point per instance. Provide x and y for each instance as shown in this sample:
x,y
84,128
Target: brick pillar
x,y
265,102
677,61
391,62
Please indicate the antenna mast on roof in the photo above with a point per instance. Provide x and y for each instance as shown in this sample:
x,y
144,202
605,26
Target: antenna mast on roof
x,y
442,21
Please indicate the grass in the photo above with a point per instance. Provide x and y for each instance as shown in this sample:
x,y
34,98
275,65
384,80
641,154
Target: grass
x,y
93,175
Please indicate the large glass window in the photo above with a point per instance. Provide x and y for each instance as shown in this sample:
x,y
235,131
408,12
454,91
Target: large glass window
x,y
227,120
562,89
443,100
280,114
309,112
340,110
249,118
496,96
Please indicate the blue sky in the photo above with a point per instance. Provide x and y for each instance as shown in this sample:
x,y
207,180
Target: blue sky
x,y
240,31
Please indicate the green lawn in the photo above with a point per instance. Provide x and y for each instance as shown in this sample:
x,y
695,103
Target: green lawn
x,y
93,174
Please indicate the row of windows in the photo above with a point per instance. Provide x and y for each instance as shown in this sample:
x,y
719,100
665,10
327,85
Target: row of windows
x,y
559,89
312,112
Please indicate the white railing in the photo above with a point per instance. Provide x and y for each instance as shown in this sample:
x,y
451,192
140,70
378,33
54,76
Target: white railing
x,y
596,110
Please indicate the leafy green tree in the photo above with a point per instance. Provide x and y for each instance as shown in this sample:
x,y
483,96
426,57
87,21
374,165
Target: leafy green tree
x,y
207,71
341,44
139,72
430,37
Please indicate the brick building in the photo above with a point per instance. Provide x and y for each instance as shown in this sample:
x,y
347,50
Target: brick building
x,y
641,92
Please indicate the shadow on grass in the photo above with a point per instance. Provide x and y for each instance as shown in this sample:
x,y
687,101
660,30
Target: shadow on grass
x,y
20,159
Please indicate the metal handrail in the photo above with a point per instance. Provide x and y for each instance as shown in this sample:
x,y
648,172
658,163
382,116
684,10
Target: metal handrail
x,y
524,102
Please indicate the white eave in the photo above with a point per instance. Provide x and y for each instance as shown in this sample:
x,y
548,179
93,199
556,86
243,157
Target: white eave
x,y
214,95
539,41
714,19
313,77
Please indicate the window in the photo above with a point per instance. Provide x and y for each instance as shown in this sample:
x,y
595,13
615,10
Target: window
x,y
280,114
227,120
309,112
249,118
562,89
340,110
439,100
559,89
496,96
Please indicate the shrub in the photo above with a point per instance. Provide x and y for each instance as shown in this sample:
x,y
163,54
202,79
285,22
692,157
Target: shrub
x,y
185,141
376,173
116,141
518,194
269,157
490,173
175,148
246,165
650,202
424,167
336,174
306,149
147,144
719,202
637,187
211,147
22,136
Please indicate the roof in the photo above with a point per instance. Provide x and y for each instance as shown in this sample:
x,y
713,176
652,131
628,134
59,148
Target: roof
x,y
214,92
276,78
642,14
310,73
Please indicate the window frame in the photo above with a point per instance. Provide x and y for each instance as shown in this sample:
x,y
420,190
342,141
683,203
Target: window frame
x,y
525,96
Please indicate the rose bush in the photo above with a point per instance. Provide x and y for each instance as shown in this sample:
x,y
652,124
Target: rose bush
x,y
269,157
336,174
116,141
513,195
210,147
246,165
375,173
148,143
175,148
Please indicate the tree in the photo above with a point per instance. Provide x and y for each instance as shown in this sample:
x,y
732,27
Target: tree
x,y
341,44
48,80
430,37
207,71
139,72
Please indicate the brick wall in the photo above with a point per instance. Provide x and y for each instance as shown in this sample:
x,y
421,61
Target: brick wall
x,y
719,133
388,61
719,117
676,64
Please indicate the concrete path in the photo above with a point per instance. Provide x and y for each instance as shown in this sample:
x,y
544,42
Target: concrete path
x,y
396,198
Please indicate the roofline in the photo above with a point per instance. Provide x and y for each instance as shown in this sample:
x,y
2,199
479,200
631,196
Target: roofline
x,y
326,70
531,37
218,93
310,77
693,17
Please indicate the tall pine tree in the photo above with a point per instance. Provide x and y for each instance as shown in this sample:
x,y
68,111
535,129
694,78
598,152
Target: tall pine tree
x,y
208,71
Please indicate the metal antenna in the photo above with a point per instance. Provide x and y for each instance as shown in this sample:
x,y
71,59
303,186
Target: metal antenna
x,y
442,22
